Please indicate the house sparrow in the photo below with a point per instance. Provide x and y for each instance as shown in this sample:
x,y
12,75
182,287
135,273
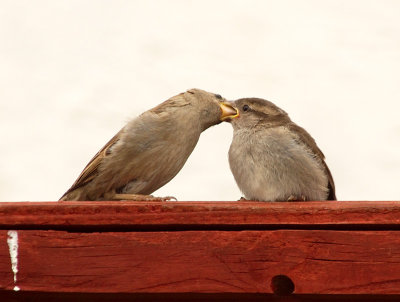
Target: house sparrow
x,y
150,150
273,159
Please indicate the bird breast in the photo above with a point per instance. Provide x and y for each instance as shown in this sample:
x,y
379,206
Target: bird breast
x,y
271,164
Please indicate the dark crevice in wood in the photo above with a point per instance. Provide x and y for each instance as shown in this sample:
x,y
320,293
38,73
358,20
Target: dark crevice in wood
x,y
202,227
7,296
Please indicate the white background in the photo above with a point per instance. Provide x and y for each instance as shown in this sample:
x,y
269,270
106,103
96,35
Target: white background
x,y
73,72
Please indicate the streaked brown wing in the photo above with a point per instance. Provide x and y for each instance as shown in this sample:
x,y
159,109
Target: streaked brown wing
x,y
90,171
310,142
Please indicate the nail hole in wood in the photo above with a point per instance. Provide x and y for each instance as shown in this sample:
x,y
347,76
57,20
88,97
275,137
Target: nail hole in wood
x,y
282,285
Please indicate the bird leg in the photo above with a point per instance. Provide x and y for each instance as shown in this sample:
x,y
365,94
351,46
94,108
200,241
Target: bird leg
x,y
139,197
296,198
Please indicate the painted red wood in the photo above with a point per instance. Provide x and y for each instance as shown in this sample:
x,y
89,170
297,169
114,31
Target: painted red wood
x,y
324,248
199,213
329,262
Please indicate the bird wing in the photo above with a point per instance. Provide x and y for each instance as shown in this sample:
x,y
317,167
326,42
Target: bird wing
x,y
91,169
310,142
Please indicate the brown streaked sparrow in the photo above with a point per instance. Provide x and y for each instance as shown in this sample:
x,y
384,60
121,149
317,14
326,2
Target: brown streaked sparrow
x,y
150,150
273,159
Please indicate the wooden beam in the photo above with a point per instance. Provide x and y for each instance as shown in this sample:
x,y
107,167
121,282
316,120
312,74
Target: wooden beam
x,y
103,214
334,249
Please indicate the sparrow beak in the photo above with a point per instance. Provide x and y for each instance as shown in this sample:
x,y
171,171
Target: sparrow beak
x,y
228,111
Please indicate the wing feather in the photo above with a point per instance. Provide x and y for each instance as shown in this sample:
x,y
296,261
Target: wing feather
x,y
310,142
91,170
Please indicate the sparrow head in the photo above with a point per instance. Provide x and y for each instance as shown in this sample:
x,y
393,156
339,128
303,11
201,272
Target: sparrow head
x,y
255,112
212,108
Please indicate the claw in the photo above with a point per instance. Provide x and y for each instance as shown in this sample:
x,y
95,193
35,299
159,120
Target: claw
x,y
167,198
243,199
296,198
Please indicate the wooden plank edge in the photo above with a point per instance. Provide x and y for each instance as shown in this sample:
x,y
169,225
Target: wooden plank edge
x,y
136,215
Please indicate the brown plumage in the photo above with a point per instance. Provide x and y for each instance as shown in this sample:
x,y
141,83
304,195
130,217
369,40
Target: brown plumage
x,y
150,150
273,159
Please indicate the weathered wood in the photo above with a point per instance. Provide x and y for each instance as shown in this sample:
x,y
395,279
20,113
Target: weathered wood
x,y
98,214
331,250
329,262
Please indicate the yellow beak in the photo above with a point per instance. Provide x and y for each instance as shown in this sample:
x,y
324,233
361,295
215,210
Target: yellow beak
x,y
228,111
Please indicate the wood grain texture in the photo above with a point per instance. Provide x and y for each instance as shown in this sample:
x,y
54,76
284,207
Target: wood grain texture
x,y
65,214
318,262
333,250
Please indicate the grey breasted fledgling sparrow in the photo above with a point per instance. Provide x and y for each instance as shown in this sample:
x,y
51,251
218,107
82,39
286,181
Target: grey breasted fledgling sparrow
x,y
273,159
150,150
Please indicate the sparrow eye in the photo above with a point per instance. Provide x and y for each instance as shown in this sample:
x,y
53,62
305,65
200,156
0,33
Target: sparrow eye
x,y
246,107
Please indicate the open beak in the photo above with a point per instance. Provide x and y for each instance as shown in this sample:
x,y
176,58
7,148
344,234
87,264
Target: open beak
x,y
228,111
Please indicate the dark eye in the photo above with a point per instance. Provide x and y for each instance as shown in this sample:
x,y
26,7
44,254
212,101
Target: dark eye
x,y
246,107
218,96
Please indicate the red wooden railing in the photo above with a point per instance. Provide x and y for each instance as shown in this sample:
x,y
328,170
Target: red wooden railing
x,y
192,251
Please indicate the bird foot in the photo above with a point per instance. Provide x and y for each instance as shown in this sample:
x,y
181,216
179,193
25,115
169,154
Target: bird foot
x,y
244,199
138,197
296,198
